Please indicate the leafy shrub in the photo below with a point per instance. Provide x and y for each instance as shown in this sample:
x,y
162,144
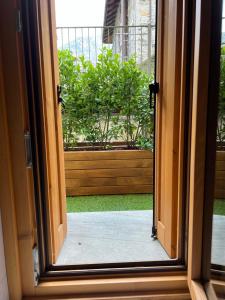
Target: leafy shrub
x,y
106,102
221,110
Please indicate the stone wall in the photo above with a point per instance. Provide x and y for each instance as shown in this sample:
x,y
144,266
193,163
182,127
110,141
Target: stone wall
x,y
139,40
139,12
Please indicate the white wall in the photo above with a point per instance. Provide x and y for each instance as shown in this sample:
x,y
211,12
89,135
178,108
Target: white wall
x,y
3,279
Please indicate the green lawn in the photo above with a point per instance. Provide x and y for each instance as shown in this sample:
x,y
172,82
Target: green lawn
x,y
121,202
219,207
109,203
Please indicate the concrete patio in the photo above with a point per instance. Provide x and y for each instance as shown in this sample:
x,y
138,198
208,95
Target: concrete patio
x,y
122,236
109,237
218,240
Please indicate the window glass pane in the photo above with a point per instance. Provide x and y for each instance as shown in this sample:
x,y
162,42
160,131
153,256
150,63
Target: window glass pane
x,y
107,109
109,193
218,236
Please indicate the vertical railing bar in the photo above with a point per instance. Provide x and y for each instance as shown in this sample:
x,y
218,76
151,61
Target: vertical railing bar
x,y
82,41
57,35
108,37
127,41
141,45
62,37
96,55
123,42
69,37
75,45
102,36
115,43
149,48
89,50
135,50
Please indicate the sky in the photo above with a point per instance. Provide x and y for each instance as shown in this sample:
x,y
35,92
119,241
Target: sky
x,y
79,12
86,13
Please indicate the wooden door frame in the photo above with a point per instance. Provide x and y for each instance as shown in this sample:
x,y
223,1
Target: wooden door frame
x,y
49,237
19,229
203,149
44,231
110,268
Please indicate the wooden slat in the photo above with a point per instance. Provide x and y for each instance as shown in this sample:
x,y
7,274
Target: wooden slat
x,y
102,155
109,164
72,183
220,165
220,184
135,180
108,172
220,193
131,172
220,155
110,190
119,169
88,182
220,175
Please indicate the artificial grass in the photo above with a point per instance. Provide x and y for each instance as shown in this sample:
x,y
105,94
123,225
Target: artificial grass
x,y
219,207
109,203
122,202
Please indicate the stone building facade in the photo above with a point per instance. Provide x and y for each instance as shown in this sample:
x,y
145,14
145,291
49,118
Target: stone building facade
x,y
134,31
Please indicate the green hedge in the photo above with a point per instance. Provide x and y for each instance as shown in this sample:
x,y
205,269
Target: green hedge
x,y
221,111
105,103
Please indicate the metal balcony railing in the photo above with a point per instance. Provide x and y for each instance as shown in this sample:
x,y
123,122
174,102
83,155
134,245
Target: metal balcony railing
x,y
223,33
128,41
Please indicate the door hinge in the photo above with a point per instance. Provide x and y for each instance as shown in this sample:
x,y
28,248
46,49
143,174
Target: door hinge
x,y
18,21
28,149
36,265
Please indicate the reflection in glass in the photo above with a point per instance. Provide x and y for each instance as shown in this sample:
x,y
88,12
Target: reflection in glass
x,y
218,239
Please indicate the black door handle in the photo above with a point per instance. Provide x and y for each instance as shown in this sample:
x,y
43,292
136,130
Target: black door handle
x,y
153,90
59,90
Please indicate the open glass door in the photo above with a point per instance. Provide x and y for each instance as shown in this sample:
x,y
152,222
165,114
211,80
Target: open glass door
x,y
105,170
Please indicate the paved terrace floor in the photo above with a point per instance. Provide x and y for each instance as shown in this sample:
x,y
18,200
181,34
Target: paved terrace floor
x,y
109,237
123,236
218,241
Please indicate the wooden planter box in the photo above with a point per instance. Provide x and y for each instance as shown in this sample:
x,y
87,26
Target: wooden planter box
x,y
120,172
220,175
108,172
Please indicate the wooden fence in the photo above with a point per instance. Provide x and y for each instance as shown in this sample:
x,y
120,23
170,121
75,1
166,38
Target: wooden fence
x,y
120,172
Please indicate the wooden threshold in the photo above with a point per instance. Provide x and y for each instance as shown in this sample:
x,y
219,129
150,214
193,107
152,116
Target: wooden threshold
x,y
185,295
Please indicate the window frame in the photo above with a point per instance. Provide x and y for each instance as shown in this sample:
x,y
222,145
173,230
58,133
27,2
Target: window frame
x,y
212,271
47,270
20,237
206,74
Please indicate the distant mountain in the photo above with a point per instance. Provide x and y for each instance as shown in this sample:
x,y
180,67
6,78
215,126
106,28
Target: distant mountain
x,y
223,38
89,47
